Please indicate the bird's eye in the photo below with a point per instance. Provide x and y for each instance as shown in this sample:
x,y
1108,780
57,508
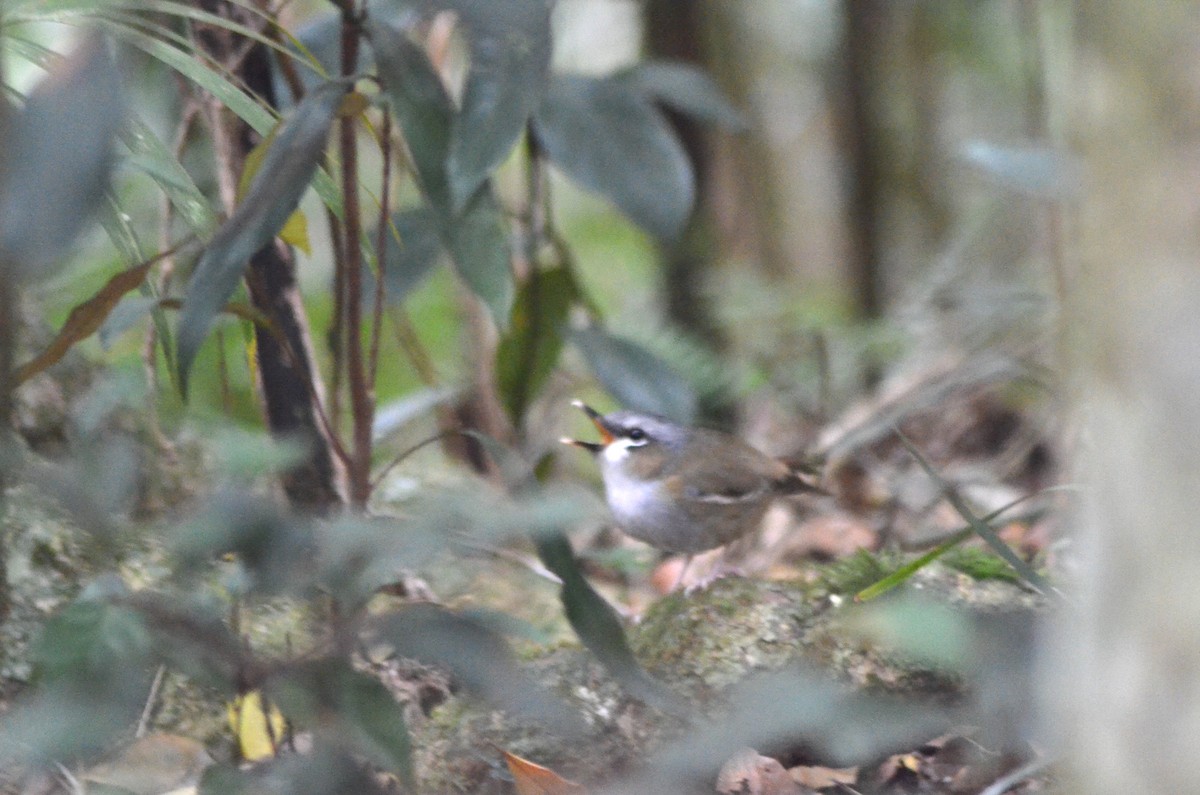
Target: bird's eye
x,y
636,435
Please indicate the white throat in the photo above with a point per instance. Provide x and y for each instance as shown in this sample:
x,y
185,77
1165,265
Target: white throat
x,y
618,450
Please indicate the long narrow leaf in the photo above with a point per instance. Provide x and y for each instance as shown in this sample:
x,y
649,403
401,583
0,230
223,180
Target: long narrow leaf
x,y
979,526
286,172
153,157
58,153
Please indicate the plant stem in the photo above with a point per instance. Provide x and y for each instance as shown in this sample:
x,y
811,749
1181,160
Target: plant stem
x,y
361,393
381,247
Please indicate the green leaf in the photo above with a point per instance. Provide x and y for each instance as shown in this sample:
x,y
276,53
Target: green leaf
x,y
151,156
479,246
510,61
91,641
527,354
475,242
637,378
608,136
413,249
597,624
352,710
242,104
686,89
421,105
272,548
980,526
58,151
376,721
286,172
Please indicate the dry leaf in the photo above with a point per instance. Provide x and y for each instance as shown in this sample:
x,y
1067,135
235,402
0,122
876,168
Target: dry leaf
x,y
818,777
153,764
533,779
749,773
85,319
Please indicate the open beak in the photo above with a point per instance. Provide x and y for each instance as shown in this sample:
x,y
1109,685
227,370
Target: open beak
x,y
597,419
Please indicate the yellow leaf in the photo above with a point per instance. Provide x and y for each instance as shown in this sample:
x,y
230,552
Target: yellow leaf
x,y
353,104
295,231
256,739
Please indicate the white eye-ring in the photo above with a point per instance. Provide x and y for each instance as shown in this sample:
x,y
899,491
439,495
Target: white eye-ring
x,y
637,437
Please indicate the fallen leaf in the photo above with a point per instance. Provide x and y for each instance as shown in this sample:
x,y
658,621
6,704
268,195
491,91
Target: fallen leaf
x,y
533,779
818,777
748,772
152,764
256,738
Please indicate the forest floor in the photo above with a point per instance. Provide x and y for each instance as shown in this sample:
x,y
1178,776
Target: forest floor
x,y
821,598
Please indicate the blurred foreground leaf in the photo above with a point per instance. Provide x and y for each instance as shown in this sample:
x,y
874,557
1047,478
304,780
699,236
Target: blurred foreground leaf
x,y
479,658
346,709
274,548
58,151
286,172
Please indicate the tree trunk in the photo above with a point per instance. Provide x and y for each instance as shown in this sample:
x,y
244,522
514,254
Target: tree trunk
x,y
290,385
675,30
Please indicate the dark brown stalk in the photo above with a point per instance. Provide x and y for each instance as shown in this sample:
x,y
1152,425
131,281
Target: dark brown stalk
x,y
361,392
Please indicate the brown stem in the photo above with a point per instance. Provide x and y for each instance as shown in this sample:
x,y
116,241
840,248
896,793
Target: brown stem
x,y
381,248
361,392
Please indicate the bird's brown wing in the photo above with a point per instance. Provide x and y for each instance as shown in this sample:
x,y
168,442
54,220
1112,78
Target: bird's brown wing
x,y
727,471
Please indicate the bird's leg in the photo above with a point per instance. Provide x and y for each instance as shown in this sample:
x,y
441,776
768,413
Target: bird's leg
x,y
687,562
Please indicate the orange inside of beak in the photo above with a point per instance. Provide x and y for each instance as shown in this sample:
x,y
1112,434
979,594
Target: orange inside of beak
x,y
597,419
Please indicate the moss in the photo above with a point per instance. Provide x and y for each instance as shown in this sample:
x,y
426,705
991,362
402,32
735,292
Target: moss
x,y
851,574
979,564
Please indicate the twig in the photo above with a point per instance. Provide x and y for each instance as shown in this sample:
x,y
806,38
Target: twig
x,y
1007,782
151,698
381,248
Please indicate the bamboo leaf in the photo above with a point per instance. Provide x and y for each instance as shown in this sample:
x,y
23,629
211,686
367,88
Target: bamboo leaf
x,y
287,170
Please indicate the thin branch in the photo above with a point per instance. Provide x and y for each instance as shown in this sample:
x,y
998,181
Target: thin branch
x,y
151,700
381,248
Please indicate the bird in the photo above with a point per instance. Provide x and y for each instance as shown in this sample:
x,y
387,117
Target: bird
x,y
684,489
